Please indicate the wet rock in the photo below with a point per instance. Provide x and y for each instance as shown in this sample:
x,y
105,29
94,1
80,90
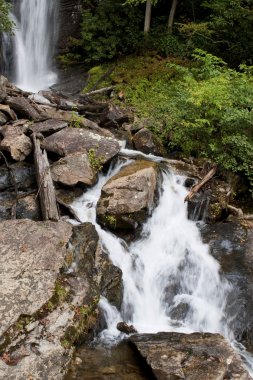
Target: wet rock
x,y
31,256
125,328
73,169
24,108
73,140
128,197
194,356
92,262
48,127
16,142
145,141
24,175
3,84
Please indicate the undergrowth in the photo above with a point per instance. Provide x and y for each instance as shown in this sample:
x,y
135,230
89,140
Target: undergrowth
x,y
198,107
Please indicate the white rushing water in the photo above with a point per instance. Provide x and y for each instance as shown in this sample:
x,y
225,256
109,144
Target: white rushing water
x,y
33,43
171,282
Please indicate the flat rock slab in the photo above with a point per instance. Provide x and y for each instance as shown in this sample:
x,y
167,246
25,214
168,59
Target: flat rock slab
x,y
31,255
73,169
48,126
72,140
127,198
196,356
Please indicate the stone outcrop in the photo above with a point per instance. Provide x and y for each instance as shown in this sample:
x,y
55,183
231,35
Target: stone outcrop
x,y
194,356
128,197
73,140
24,108
73,169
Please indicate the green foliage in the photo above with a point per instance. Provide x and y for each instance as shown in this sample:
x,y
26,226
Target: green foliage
x,y
96,163
232,24
6,24
200,108
112,29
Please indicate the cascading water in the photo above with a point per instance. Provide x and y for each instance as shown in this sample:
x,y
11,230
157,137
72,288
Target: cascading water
x,y
32,44
171,282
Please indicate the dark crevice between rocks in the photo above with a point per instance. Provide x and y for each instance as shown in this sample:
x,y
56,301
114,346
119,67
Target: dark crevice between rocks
x,y
142,362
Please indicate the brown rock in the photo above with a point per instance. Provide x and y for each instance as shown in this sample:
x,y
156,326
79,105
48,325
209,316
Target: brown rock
x,y
73,140
8,111
125,328
127,198
194,356
16,142
73,169
146,142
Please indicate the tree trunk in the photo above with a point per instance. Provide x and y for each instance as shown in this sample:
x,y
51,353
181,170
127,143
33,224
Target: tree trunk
x,y
147,16
172,15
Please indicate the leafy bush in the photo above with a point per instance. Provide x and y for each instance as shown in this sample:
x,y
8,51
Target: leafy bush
x,y
200,108
108,31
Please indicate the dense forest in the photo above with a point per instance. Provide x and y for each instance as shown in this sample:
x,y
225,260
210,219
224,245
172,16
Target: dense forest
x,y
183,66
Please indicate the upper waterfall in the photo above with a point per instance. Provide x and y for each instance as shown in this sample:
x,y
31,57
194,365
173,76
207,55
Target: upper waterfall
x,y
33,43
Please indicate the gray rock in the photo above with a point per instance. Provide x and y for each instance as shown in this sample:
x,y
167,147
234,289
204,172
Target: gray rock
x,y
9,113
195,356
128,197
29,208
73,169
31,256
93,263
16,142
48,127
24,175
73,140
145,141
3,118
24,108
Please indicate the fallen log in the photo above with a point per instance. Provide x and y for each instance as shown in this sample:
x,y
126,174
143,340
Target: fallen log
x,y
46,189
99,91
195,189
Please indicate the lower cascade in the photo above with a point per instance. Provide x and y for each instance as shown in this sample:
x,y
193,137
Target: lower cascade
x,y
171,282
31,47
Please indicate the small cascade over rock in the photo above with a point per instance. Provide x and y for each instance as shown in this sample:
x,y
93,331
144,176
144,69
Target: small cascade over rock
x,y
28,53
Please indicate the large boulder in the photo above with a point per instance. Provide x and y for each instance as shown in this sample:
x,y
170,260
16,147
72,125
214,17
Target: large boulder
x,y
194,356
31,257
73,169
73,140
129,196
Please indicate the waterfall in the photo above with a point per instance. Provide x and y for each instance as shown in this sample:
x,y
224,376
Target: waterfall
x,y
171,282
33,44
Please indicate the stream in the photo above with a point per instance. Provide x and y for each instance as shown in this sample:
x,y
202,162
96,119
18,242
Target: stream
x,y
171,281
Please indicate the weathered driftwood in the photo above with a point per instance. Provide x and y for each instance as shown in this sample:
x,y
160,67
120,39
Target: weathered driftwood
x,y
99,91
195,189
46,189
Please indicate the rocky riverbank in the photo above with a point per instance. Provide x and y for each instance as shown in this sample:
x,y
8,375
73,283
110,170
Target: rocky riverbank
x,y
53,272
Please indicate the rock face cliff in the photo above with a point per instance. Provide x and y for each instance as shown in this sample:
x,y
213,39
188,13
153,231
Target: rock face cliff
x,y
69,21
